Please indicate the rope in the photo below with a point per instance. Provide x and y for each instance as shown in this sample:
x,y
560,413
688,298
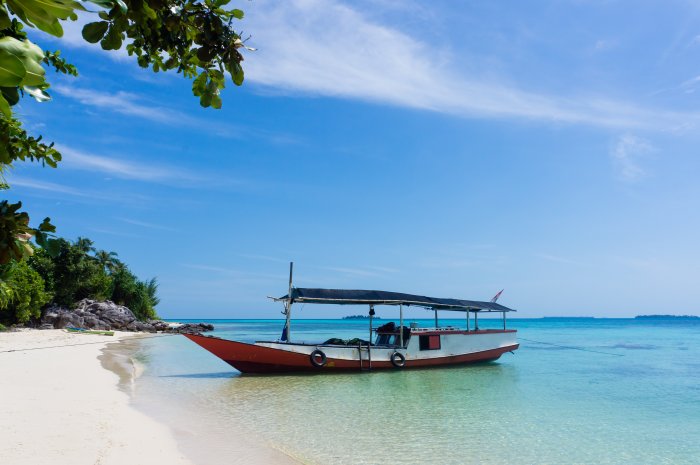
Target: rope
x,y
572,347
86,343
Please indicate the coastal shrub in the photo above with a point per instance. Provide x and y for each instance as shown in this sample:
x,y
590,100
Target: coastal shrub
x,y
2,327
139,296
75,271
28,294
75,275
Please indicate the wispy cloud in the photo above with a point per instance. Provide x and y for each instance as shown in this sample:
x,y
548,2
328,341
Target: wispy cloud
x,y
625,155
146,224
88,196
371,271
123,103
328,48
125,169
112,232
127,103
558,259
234,273
46,186
262,257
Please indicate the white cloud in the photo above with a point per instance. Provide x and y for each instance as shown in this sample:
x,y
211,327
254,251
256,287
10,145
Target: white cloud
x,y
124,103
87,196
626,154
29,183
327,48
124,169
146,224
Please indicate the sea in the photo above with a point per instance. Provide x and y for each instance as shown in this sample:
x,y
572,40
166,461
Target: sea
x,y
578,391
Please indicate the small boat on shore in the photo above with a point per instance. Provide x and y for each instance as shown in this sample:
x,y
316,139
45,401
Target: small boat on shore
x,y
389,346
89,331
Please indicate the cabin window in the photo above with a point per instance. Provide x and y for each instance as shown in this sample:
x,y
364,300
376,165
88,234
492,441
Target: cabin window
x,y
428,342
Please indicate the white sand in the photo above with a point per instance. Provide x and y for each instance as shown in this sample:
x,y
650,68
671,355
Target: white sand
x,y
59,406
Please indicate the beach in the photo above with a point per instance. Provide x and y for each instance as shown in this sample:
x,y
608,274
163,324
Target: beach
x,y
584,391
62,406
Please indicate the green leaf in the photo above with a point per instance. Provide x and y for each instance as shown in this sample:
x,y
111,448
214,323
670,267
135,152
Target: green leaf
x,y
11,94
5,107
12,70
31,58
5,21
237,13
237,74
205,99
94,32
46,225
113,39
34,14
110,4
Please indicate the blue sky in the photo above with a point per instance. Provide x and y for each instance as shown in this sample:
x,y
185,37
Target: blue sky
x,y
548,148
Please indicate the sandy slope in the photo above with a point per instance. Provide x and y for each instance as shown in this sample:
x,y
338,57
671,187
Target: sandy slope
x,y
59,406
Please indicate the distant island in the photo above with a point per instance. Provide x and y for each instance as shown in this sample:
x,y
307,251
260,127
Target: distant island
x,y
667,317
359,317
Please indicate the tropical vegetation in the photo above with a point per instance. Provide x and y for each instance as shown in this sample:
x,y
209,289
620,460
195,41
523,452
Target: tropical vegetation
x,y
195,38
77,270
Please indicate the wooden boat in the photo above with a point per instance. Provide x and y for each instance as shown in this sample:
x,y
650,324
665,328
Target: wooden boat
x,y
393,347
89,331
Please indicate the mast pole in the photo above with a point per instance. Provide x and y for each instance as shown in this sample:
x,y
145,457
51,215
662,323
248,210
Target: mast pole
x,y
289,302
401,325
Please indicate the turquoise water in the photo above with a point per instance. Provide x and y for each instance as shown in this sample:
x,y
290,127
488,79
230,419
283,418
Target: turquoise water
x,y
632,396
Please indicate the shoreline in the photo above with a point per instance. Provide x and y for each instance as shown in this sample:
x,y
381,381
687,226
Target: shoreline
x,y
67,401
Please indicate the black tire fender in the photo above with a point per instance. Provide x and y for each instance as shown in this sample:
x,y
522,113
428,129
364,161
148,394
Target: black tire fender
x,y
318,358
398,359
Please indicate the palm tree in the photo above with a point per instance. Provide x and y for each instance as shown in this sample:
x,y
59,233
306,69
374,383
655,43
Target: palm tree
x,y
85,245
108,260
151,290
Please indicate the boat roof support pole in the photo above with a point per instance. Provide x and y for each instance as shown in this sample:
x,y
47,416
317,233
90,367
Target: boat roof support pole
x,y
401,325
369,342
289,303
467,320
436,320
476,320
504,321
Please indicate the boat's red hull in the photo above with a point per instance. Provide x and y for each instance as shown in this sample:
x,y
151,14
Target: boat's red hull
x,y
251,358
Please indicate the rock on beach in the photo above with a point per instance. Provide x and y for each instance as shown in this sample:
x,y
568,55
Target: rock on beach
x,y
106,315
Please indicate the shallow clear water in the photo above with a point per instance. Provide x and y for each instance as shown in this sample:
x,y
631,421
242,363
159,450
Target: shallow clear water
x,y
632,396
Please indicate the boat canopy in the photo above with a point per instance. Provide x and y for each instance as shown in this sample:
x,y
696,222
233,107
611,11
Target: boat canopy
x,y
365,297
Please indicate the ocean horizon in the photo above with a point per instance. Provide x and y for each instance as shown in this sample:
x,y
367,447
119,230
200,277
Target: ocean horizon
x,y
578,390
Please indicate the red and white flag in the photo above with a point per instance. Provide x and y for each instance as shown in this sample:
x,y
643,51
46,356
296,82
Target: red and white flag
x,y
495,298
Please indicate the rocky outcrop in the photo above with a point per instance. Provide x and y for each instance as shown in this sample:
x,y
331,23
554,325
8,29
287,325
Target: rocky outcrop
x,y
91,314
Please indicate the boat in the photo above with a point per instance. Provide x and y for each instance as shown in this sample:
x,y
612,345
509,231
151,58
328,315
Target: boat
x,y
389,346
71,329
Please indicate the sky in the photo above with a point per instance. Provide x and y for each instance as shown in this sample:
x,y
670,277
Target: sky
x,y
450,149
